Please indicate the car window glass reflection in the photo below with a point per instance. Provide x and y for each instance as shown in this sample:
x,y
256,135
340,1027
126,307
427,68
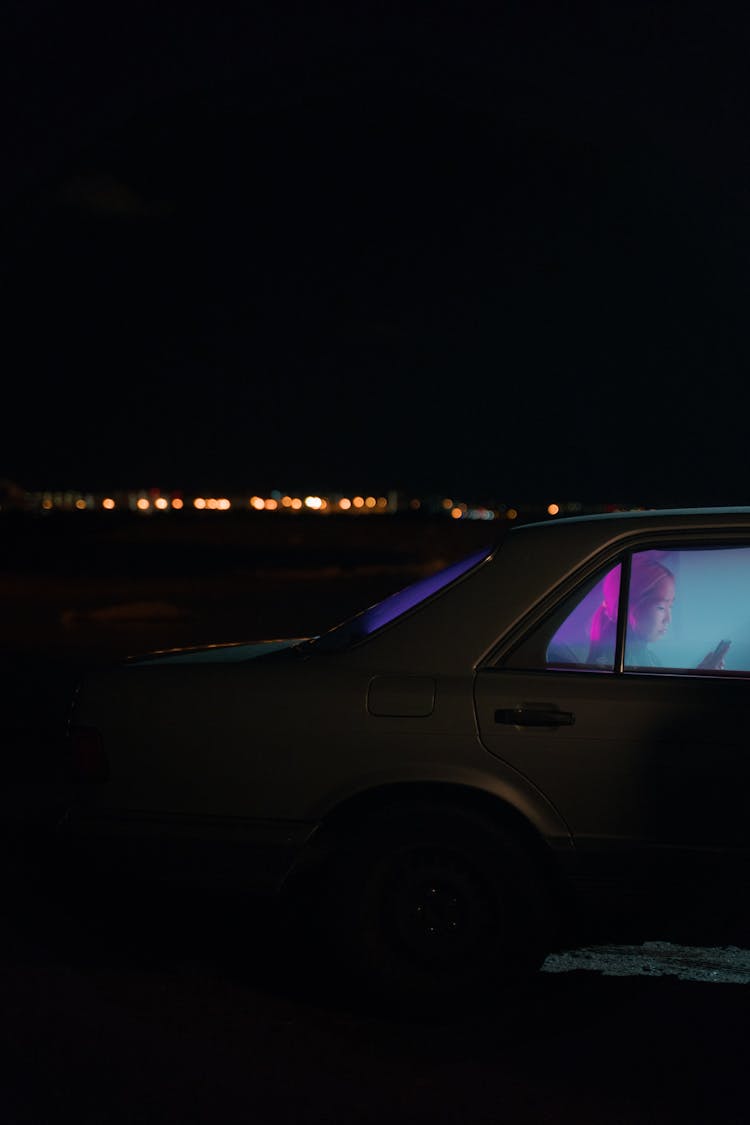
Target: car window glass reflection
x,y
362,624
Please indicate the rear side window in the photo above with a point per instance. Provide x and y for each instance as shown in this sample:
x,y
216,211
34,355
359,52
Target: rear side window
x,y
588,632
356,628
685,611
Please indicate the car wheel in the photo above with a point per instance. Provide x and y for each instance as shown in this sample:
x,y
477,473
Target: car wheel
x,y
440,904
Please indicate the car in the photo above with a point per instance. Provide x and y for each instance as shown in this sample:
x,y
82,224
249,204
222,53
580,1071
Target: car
x,y
464,777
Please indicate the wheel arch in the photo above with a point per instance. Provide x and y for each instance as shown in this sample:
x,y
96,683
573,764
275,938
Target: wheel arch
x,y
382,801
353,832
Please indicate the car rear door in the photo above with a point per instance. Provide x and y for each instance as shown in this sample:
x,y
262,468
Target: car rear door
x,y
646,760
632,757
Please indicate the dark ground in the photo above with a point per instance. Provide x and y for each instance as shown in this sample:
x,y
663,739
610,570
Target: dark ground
x,y
186,1011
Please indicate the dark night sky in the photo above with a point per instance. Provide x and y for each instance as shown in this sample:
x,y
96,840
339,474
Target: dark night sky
x,y
368,247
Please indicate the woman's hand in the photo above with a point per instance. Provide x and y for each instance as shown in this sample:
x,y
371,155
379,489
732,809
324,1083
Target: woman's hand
x,y
714,661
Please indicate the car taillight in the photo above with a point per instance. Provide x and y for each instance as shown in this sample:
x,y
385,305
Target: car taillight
x,y
88,760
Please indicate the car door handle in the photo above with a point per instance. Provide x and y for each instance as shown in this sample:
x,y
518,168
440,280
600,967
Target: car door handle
x,y
534,717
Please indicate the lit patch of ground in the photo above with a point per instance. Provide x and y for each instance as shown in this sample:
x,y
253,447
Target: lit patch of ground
x,y
718,965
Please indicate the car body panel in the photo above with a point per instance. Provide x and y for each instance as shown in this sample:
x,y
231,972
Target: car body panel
x,y
251,749
637,764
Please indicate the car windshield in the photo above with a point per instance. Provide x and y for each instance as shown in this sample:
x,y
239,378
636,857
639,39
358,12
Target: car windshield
x,y
356,628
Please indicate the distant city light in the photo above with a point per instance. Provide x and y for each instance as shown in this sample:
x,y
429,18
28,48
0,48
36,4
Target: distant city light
x,y
153,499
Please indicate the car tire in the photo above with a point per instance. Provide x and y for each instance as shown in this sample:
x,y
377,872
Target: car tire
x,y
438,903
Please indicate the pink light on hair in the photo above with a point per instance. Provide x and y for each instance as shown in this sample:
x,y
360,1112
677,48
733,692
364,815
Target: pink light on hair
x,y
606,614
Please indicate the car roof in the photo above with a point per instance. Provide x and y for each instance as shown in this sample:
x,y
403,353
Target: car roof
x,y
596,530
701,515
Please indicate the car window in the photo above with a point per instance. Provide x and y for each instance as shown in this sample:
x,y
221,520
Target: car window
x,y
362,624
587,634
564,640
688,612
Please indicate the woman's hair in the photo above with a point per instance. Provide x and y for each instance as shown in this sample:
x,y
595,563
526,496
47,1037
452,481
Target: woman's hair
x,y
644,578
605,614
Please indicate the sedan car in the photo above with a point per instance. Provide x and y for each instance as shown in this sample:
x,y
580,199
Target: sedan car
x,y
541,745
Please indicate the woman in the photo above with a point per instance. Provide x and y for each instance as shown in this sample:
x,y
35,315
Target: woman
x,y
650,599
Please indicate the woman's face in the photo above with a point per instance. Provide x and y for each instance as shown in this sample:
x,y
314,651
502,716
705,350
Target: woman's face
x,y
651,617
